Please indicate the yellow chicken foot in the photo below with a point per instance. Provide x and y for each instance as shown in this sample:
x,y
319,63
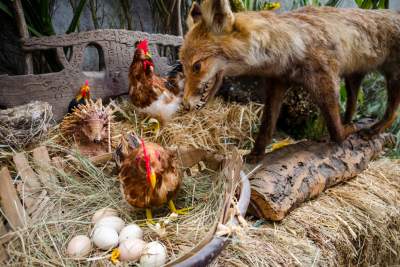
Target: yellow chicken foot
x,y
149,217
173,209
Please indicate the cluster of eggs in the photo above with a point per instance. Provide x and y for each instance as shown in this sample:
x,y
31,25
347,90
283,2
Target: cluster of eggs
x,y
109,232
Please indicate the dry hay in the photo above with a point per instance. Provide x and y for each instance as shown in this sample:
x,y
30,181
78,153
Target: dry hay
x,y
85,189
24,124
217,127
357,223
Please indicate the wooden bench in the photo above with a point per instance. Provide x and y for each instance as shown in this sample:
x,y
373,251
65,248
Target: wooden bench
x,y
115,49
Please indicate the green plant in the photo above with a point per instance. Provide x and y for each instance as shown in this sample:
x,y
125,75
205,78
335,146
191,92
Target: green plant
x,y
301,3
374,106
372,4
38,18
38,15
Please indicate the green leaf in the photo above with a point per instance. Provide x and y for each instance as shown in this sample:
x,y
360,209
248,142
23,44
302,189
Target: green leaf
x,y
75,20
34,32
5,9
358,2
383,4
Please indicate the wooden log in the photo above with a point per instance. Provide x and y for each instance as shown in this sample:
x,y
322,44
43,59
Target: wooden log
x,y
10,203
298,172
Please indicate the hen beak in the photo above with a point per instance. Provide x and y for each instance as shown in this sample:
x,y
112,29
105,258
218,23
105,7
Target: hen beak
x,y
153,179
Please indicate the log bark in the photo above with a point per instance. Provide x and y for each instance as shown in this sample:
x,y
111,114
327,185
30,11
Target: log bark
x,y
293,174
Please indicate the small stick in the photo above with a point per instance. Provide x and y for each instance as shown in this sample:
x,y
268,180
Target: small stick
x,y
109,136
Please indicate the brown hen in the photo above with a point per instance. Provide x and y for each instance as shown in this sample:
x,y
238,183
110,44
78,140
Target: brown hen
x,y
150,93
149,175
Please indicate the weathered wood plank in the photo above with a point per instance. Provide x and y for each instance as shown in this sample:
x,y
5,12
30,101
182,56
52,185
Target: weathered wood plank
x,y
44,168
58,163
29,188
3,252
3,255
3,229
10,203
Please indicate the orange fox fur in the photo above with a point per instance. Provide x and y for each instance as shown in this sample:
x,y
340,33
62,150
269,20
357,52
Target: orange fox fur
x,y
311,47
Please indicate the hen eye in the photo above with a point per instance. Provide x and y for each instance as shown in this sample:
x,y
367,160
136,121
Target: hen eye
x,y
197,67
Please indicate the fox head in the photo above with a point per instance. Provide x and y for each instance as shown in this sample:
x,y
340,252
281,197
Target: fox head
x,y
222,43
201,52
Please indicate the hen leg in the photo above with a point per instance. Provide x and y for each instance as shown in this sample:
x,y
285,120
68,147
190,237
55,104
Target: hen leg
x,y
173,209
149,217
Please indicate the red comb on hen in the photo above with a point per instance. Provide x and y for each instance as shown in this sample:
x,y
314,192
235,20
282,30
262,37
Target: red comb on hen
x,y
144,45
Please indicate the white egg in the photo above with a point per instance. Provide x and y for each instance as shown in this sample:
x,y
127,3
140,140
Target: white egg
x,y
130,231
104,212
105,237
79,246
131,250
153,255
111,221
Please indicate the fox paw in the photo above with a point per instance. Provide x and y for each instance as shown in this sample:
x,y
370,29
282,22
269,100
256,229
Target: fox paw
x,y
253,158
368,134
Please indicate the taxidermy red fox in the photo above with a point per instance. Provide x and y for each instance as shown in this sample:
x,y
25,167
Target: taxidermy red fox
x,y
311,47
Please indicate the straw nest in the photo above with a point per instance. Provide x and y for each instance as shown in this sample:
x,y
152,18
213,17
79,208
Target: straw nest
x,y
25,124
352,224
217,127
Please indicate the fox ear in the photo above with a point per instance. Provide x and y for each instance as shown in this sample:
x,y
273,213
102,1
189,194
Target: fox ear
x,y
218,15
194,15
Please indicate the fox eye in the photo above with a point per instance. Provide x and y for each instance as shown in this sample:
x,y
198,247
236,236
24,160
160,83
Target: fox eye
x,y
197,67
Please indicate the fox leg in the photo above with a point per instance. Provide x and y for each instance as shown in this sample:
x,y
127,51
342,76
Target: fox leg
x,y
326,97
275,93
393,102
353,84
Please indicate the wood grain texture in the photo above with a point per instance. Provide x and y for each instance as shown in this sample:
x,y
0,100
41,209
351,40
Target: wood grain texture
x,y
298,172
10,203
3,252
43,166
23,32
115,46
29,187
3,255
